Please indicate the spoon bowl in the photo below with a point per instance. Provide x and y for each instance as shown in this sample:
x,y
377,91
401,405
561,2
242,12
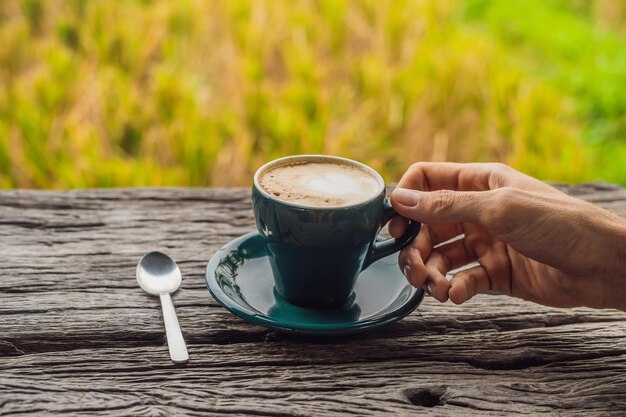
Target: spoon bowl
x,y
158,274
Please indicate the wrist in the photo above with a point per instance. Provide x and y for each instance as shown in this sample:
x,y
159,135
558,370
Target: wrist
x,y
622,265
617,277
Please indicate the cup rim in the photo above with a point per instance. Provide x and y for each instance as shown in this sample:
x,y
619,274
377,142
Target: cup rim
x,y
267,165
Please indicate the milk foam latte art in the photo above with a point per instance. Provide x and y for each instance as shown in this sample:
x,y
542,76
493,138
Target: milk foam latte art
x,y
318,183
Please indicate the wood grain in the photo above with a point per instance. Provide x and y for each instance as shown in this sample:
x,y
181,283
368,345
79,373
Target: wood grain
x,y
78,337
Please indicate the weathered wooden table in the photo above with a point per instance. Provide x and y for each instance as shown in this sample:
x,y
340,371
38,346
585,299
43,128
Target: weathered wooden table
x,y
78,336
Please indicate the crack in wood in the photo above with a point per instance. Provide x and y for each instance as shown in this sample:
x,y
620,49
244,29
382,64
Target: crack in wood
x,y
16,350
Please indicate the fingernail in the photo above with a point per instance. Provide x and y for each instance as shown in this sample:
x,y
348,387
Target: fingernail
x,y
406,270
406,197
431,288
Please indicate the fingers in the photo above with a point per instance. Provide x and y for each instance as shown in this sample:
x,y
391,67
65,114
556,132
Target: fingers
x,y
455,197
492,274
450,256
443,206
430,274
411,259
421,248
442,260
466,284
437,233
426,266
422,276
397,226
431,176
441,233
437,284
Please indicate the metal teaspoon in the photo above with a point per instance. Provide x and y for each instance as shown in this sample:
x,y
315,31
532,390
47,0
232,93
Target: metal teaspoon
x,y
158,274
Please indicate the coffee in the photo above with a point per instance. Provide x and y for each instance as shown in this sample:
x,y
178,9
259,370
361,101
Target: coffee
x,y
320,183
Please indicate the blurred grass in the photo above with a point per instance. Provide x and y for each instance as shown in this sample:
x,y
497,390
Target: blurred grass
x,y
98,93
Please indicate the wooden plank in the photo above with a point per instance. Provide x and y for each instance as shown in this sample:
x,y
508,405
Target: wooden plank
x,y
110,319
277,378
78,337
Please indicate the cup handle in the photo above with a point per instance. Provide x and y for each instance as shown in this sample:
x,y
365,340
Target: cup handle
x,y
388,246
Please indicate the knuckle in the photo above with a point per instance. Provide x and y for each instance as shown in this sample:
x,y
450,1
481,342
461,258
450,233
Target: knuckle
x,y
411,254
502,201
499,167
416,167
403,258
499,174
407,256
443,200
505,195
415,176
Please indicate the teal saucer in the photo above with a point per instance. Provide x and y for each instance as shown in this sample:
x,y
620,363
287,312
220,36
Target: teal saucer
x,y
240,279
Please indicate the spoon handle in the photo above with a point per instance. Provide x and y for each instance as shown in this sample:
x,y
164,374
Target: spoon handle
x,y
175,341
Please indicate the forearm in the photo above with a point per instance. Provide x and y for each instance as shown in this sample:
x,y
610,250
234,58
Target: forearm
x,y
621,257
613,233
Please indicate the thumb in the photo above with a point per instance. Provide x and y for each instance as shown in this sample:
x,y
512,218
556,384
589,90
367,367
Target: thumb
x,y
442,206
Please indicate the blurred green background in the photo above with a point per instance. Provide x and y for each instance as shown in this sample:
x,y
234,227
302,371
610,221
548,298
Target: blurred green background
x,y
123,93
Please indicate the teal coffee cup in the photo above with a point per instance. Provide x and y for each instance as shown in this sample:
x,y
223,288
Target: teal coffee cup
x,y
320,217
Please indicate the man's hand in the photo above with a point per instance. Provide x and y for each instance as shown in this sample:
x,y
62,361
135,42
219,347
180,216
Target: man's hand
x,y
530,240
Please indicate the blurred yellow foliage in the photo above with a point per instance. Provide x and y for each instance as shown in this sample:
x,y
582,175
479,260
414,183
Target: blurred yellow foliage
x,y
108,93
